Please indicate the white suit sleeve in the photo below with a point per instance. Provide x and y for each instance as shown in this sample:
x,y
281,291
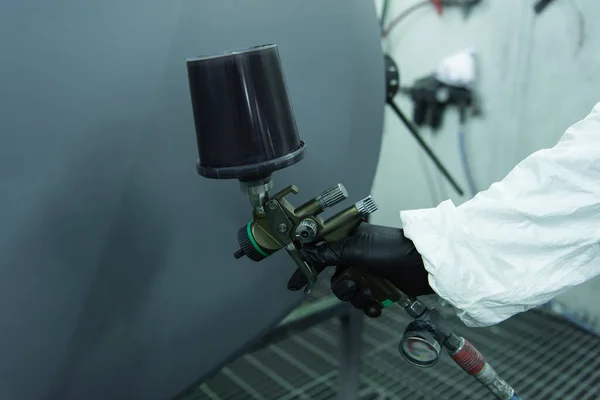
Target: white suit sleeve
x,y
523,241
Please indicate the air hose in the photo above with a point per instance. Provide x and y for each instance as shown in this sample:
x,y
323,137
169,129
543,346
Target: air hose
x,y
425,337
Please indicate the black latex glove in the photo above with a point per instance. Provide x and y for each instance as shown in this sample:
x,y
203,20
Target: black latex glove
x,y
383,251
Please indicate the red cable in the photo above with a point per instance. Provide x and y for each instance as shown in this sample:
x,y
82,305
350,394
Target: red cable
x,y
469,359
438,4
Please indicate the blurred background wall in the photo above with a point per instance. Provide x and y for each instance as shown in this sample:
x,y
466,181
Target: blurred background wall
x,y
538,74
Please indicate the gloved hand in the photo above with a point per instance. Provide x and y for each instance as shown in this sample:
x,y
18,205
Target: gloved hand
x,y
382,251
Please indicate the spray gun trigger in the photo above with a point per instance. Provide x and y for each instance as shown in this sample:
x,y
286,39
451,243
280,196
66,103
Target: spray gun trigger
x,y
309,272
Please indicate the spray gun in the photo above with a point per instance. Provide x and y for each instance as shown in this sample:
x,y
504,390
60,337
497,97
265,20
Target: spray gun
x,y
278,224
245,130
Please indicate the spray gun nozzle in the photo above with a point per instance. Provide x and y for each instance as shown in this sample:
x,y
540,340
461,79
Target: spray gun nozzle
x,y
239,254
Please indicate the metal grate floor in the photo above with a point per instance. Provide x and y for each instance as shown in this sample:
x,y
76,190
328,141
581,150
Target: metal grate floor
x,y
543,357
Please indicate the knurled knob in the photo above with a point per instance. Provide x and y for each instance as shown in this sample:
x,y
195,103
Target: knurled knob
x,y
248,245
332,196
306,231
366,206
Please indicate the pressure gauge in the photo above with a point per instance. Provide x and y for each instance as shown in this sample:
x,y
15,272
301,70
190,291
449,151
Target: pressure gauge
x,y
419,346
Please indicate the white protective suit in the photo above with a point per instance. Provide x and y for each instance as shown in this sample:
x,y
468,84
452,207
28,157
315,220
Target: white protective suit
x,y
523,241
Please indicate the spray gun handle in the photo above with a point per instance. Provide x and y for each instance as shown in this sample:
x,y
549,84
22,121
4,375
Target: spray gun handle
x,y
376,293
